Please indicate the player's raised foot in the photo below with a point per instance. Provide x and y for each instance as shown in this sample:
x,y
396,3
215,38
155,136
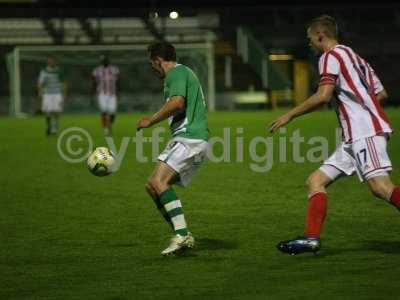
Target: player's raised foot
x,y
299,245
178,244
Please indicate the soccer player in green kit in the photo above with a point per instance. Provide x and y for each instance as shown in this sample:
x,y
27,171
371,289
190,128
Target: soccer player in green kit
x,y
52,88
186,110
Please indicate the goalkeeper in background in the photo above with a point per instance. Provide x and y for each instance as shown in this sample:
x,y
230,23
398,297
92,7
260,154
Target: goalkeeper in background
x,y
52,89
186,110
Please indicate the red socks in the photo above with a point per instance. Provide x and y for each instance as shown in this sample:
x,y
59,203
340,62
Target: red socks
x,y
317,208
316,213
395,197
104,120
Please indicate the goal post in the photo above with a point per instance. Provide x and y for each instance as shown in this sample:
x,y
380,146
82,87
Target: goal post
x,y
12,62
140,89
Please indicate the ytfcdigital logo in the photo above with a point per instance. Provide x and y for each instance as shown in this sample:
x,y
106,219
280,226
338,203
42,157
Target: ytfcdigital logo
x,y
75,144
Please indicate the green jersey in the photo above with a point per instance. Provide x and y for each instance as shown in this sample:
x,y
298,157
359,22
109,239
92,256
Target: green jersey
x,y
52,80
192,122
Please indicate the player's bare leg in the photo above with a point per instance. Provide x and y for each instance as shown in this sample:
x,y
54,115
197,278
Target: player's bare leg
x,y
153,194
48,124
316,213
105,121
159,183
383,188
111,118
51,123
161,177
56,117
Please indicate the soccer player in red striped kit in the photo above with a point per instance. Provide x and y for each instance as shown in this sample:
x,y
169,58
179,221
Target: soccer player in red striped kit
x,y
366,129
105,81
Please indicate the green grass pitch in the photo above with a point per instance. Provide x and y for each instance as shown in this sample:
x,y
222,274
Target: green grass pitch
x,y
66,234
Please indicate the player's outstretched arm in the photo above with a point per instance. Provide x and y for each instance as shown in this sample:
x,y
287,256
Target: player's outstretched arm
x,y
171,108
322,96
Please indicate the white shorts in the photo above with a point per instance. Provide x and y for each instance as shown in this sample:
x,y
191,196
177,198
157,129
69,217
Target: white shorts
x,y
107,103
52,103
368,157
185,156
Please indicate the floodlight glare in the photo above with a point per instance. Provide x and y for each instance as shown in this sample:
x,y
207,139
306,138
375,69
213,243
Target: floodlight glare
x,y
174,15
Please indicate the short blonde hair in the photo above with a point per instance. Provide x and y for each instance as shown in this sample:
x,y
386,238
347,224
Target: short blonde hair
x,y
325,24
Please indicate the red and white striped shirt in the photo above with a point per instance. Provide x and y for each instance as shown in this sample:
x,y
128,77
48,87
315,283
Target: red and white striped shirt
x,y
106,79
356,84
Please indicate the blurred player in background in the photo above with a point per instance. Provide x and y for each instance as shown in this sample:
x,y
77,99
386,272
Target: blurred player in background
x,y
52,89
186,110
357,94
105,84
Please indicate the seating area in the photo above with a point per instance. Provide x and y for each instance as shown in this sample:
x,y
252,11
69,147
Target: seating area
x,y
23,31
28,31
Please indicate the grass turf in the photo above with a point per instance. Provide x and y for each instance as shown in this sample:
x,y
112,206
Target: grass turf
x,y
66,234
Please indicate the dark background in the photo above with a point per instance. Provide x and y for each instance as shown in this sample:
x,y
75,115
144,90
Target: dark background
x,y
371,29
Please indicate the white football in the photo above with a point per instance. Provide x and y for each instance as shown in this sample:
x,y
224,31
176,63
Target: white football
x,y
101,162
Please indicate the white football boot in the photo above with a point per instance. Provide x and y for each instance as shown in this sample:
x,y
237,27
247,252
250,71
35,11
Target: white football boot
x,y
179,243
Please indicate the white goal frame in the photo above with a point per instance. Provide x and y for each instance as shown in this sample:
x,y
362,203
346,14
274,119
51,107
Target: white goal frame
x,y
14,56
